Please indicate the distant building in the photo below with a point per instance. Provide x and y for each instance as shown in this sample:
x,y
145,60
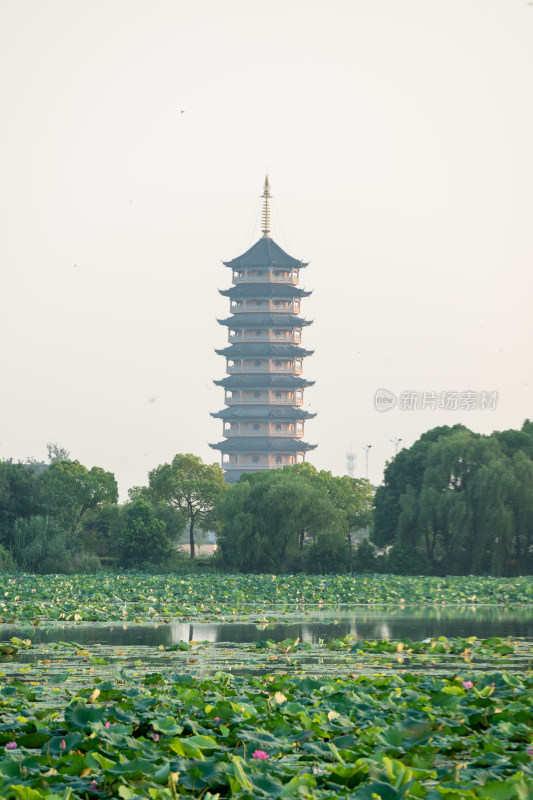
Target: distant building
x,y
37,466
263,423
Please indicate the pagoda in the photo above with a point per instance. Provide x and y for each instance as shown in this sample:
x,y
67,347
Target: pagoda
x,y
263,422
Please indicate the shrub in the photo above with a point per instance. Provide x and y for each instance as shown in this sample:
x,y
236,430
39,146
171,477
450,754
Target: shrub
x,y
41,545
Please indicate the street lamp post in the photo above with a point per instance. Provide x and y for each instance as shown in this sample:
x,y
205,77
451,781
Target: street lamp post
x,y
396,441
366,448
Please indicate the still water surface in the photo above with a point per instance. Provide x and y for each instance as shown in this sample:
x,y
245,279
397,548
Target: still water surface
x,y
383,622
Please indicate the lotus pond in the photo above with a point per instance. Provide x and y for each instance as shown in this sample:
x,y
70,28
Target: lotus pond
x,y
209,686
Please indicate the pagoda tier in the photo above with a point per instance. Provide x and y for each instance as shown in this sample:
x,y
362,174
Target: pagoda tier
x,y
263,420
263,423
265,254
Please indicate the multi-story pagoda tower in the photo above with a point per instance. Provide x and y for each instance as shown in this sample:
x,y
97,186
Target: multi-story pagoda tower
x,y
263,421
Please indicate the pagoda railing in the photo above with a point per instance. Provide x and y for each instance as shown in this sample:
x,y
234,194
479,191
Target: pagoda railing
x,y
265,432
249,465
271,278
285,306
266,369
286,401
274,336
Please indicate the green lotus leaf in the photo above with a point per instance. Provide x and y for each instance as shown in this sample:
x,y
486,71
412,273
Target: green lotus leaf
x,y
81,717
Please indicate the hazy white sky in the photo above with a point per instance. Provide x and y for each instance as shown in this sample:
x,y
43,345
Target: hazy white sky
x,y
399,139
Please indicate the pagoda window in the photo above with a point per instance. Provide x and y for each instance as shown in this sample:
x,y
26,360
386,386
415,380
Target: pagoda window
x,y
278,395
299,395
278,427
278,364
256,426
257,394
257,363
300,428
255,459
278,459
258,333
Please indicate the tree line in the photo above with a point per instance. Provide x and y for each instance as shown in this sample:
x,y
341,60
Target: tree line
x,y
456,502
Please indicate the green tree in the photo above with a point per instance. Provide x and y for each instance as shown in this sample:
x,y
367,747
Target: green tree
x,y
264,516
99,528
461,504
69,490
514,554
142,538
352,497
189,486
406,469
20,497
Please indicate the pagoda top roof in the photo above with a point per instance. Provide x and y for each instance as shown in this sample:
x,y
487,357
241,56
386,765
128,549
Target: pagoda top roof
x,y
263,444
255,349
253,412
284,291
265,254
263,380
265,319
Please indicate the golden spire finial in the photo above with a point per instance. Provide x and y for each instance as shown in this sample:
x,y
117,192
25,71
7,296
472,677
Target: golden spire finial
x,y
265,213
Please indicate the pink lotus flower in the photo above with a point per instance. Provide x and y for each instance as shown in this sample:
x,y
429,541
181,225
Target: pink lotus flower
x,y
62,744
156,737
107,724
468,685
11,745
529,751
217,719
260,754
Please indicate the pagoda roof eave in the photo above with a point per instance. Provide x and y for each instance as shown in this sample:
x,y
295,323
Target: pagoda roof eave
x,y
265,254
253,349
269,319
261,444
252,412
259,380
243,290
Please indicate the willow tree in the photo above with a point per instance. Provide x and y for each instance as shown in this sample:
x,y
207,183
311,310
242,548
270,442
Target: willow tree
x,y
263,516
